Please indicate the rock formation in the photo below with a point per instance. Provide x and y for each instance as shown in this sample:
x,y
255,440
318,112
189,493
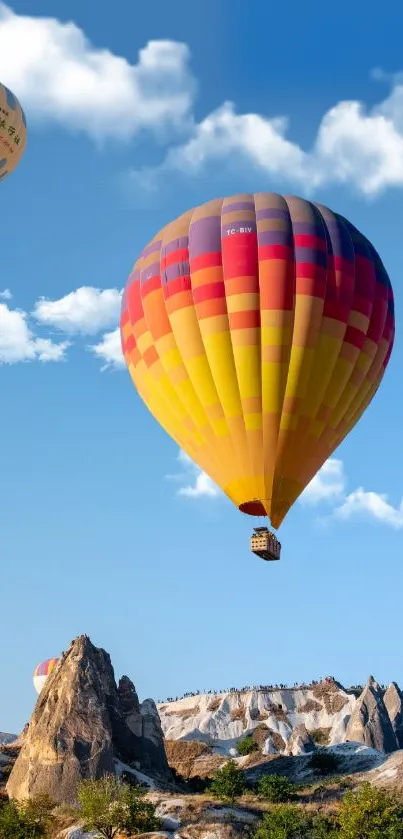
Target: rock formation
x,y
81,725
393,699
300,741
143,720
279,719
370,723
222,720
6,738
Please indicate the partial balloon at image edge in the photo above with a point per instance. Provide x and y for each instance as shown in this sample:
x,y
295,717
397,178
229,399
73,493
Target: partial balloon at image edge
x,y
13,132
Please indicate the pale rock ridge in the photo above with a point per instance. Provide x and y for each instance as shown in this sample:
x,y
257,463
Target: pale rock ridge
x,y
326,711
222,720
370,722
393,699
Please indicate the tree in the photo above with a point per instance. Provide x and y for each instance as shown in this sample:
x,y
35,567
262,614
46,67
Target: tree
x,y
289,821
247,746
371,813
276,788
286,821
324,827
25,820
109,806
228,783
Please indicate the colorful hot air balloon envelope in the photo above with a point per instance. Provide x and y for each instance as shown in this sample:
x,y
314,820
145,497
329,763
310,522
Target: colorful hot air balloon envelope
x,y
42,671
13,131
257,330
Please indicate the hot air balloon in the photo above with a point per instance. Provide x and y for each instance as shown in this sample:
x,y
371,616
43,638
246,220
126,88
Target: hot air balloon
x,y
13,131
42,671
257,329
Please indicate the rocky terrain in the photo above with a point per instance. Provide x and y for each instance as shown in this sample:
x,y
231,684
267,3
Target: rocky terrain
x,y
85,724
6,738
201,731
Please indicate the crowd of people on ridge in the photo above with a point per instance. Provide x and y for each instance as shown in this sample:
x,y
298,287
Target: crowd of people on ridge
x,y
258,689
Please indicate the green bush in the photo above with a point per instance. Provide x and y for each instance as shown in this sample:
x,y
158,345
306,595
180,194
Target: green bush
x,y
325,763
276,788
324,827
109,806
228,783
247,746
371,813
287,821
26,819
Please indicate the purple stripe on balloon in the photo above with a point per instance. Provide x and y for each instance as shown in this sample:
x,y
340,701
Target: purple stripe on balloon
x,y
311,256
154,247
234,227
238,205
152,270
275,237
271,212
180,269
308,229
175,245
205,236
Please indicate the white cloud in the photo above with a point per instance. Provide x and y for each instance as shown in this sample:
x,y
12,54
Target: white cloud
x,y
60,76
203,485
363,148
6,294
109,350
371,504
17,342
197,483
327,485
87,310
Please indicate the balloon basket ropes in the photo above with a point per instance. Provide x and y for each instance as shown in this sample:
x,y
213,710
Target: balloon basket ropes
x,y
264,544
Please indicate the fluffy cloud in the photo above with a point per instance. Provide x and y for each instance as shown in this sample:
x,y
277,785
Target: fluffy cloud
x,y
363,148
109,350
87,310
17,342
196,483
60,76
371,504
327,485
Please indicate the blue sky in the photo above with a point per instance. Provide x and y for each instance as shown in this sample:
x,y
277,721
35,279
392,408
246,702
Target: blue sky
x,y
132,118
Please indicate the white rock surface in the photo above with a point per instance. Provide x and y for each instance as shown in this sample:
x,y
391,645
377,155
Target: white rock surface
x,y
222,720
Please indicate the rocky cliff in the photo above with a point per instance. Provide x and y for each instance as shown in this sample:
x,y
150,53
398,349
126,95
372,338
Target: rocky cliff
x,y
324,709
83,725
6,738
370,722
282,721
393,700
